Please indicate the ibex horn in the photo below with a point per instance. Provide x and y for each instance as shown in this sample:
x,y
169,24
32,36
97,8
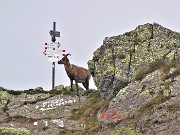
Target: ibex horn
x,y
68,54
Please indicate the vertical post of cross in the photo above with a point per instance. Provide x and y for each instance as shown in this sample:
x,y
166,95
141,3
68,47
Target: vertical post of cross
x,y
53,64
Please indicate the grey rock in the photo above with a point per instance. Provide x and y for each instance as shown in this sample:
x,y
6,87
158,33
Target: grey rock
x,y
115,62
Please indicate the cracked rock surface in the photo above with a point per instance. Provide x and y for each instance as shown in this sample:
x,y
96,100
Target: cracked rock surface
x,y
115,62
150,106
140,72
37,114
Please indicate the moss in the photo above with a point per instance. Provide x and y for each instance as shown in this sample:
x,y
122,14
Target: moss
x,y
64,90
125,130
122,91
59,87
14,131
14,92
55,92
167,84
4,98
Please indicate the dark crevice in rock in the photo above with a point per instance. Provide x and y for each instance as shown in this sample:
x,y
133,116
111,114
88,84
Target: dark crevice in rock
x,y
175,56
132,50
129,63
24,119
152,36
6,106
114,70
164,56
152,32
93,70
35,101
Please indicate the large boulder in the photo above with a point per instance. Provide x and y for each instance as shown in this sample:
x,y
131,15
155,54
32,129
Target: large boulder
x,y
115,62
150,106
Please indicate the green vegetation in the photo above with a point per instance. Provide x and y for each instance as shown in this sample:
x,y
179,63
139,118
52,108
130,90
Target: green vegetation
x,y
64,91
144,70
125,131
173,107
164,66
148,105
170,69
60,89
19,119
14,131
87,113
13,92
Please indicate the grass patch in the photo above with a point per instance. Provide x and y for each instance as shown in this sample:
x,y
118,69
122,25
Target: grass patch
x,y
19,119
55,92
14,92
164,66
88,112
65,90
125,131
149,105
69,132
170,69
143,71
14,131
173,107
146,108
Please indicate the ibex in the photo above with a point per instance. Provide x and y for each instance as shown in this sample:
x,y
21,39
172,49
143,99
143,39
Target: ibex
x,y
76,73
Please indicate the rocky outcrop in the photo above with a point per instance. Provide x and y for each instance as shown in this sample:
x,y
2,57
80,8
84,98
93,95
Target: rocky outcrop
x,y
138,77
140,72
150,106
39,112
115,62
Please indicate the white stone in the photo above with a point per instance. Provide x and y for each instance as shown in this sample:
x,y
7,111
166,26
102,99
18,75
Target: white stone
x,y
46,123
59,122
37,107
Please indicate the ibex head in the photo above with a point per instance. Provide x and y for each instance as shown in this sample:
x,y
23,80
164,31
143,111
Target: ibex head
x,y
64,60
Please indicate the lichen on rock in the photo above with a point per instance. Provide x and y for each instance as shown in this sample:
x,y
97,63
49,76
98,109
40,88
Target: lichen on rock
x,y
115,62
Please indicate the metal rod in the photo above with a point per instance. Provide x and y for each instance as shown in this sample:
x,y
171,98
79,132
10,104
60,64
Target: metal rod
x,y
53,64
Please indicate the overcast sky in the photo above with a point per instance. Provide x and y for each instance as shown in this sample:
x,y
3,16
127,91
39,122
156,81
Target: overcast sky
x,y
25,26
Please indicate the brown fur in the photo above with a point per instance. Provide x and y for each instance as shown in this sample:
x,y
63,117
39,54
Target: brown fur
x,y
76,73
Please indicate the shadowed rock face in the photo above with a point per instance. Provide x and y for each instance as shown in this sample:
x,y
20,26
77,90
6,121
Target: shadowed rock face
x,y
115,62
